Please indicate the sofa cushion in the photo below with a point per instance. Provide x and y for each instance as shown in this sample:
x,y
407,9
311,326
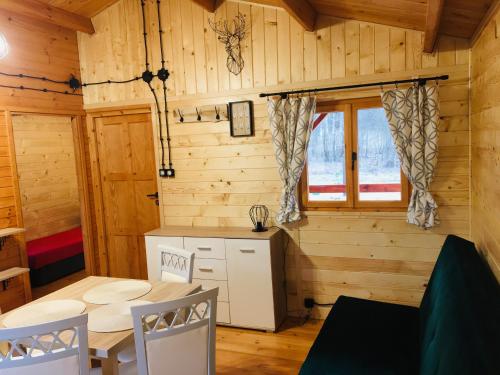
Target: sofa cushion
x,y
460,314
366,337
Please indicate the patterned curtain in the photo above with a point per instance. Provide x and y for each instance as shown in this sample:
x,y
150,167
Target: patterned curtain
x,y
291,125
413,116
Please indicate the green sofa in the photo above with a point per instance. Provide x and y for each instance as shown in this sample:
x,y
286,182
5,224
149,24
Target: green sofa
x,y
455,331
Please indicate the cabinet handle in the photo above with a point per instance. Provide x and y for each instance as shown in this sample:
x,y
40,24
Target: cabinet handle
x,y
206,269
204,248
247,251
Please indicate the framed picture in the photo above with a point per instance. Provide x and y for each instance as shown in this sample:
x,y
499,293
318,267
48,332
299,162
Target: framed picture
x,y
241,119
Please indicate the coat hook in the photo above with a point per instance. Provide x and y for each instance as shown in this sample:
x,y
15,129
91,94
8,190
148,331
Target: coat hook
x,y
181,117
199,114
217,113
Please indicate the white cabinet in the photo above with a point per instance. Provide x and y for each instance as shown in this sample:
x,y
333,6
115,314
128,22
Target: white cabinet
x,y
247,268
251,286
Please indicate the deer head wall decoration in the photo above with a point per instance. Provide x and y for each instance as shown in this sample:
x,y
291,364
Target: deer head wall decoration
x,y
232,36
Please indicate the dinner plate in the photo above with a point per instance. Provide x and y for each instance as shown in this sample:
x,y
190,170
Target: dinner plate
x,y
44,312
118,291
115,317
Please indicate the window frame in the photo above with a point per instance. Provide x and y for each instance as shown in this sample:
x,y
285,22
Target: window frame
x,y
350,108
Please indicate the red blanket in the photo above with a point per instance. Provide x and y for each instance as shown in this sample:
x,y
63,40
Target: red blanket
x,y
54,248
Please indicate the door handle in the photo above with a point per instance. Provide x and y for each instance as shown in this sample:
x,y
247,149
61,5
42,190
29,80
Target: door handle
x,y
153,196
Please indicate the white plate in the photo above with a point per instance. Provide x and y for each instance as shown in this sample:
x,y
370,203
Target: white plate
x,y
118,291
44,312
113,318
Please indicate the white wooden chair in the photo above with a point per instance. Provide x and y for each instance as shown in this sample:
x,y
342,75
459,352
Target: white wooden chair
x,y
176,264
176,337
59,347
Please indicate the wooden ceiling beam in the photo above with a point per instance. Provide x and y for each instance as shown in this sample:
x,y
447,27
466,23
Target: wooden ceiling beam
x,y
434,12
302,11
37,10
209,5
492,11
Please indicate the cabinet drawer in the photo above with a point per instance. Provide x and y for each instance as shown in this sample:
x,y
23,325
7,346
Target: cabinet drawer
x,y
223,313
210,284
209,269
153,253
212,248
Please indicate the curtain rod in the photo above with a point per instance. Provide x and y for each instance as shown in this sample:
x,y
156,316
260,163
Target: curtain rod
x,y
421,81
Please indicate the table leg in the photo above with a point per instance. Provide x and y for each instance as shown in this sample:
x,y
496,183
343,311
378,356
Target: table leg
x,y
110,365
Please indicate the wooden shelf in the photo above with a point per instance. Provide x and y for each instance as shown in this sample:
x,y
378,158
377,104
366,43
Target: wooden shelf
x,y
12,272
11,231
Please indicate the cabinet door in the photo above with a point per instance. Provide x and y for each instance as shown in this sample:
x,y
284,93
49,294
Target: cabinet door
x,y
153,255
250,283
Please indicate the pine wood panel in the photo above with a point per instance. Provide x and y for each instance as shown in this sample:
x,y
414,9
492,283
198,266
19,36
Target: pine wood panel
x,y
486,143
47,174
277,50
13,252
38,49
373,255
127,170
87,8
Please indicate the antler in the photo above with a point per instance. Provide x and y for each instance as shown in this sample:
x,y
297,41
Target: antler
x,y
232,38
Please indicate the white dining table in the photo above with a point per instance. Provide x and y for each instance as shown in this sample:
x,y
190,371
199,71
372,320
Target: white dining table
x,y
105,346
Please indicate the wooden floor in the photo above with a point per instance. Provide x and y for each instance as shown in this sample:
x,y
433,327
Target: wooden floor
x,y
243,351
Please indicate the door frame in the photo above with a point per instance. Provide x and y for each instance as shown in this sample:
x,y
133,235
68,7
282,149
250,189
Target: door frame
x,y
78,130
101,243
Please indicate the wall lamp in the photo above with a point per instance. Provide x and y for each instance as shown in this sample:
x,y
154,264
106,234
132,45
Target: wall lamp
x,y
4,46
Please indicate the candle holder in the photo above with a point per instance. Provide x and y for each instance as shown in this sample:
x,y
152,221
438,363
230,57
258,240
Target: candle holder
x,y
259,215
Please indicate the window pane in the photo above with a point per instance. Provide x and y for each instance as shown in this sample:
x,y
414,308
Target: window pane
x,y
379,172
326,158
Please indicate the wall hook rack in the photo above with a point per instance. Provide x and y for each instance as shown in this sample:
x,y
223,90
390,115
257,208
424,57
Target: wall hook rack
x,y
208,113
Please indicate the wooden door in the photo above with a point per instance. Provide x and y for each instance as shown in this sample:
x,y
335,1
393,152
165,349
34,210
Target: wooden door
x,y
128,175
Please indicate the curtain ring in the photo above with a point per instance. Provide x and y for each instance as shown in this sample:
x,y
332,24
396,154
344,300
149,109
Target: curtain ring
x,y
397,85
199,114
381,89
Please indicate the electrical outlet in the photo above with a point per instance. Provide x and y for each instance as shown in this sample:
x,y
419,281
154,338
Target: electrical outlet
x,y
167,173
308,303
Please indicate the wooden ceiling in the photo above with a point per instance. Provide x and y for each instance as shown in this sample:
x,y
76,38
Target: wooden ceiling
x,y
85,8
459,18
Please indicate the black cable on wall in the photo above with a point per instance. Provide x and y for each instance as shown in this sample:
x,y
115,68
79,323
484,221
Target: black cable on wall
x,y
147,76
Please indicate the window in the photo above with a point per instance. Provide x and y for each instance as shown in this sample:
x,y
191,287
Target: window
x,y
352,162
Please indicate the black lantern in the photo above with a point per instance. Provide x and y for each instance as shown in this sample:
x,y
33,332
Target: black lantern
x,y
259,215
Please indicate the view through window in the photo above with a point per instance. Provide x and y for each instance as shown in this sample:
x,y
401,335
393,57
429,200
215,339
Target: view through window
x,y
352,161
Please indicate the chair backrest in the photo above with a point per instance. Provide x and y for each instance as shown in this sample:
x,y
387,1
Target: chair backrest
x,y
177,335
59,347
176,264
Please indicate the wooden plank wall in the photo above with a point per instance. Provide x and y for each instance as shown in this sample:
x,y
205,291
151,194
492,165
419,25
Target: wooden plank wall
x,y
372,255
37,49
46,168
486,143
12,253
